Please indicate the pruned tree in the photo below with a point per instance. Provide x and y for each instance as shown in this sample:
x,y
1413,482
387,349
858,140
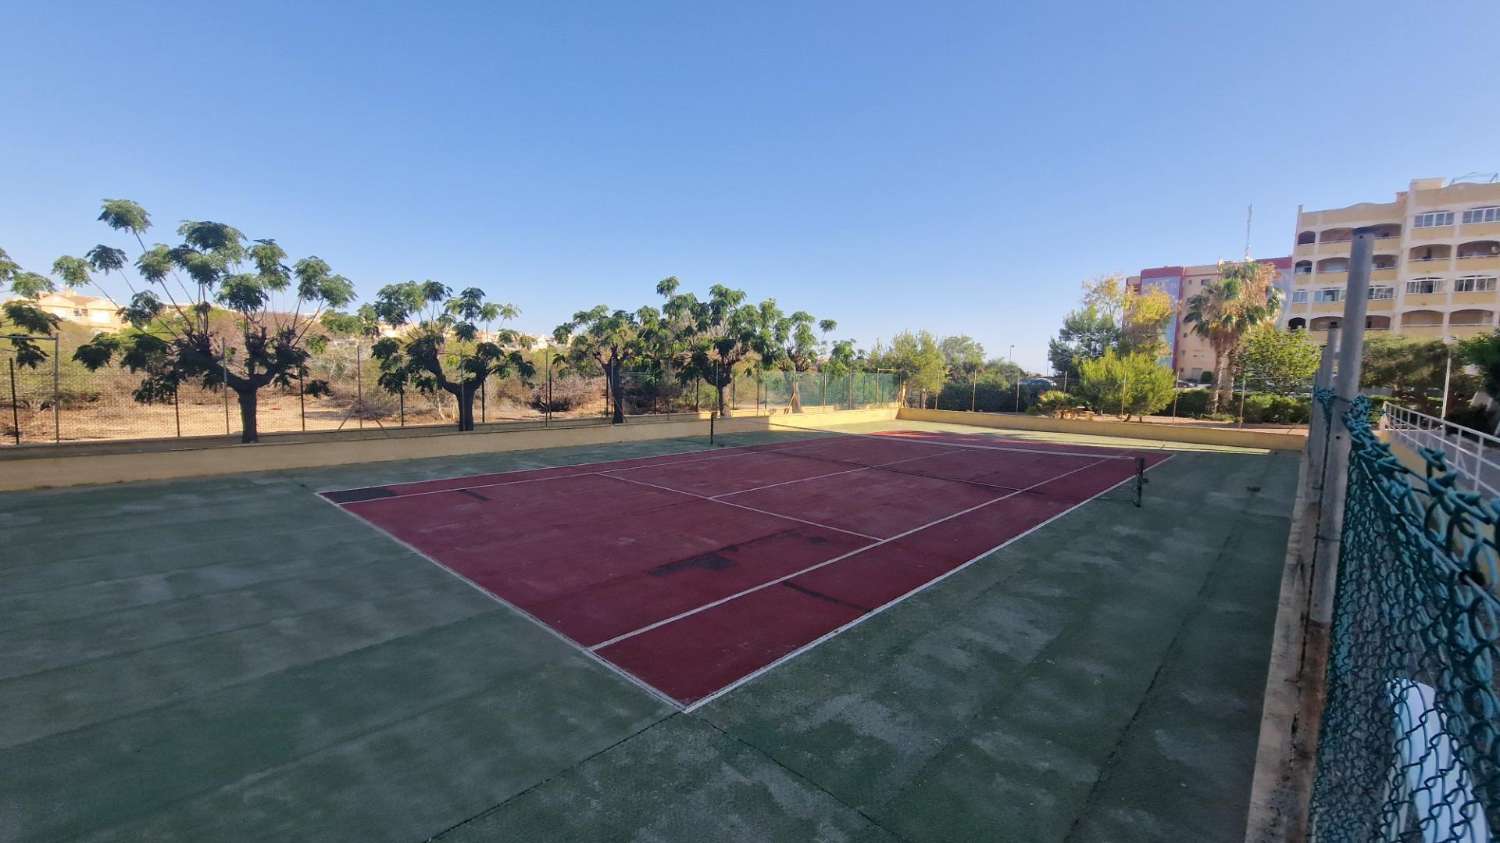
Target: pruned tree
x,y
721,338
1244,296
608,338
20,318
918,361
178,340
450,346
788,343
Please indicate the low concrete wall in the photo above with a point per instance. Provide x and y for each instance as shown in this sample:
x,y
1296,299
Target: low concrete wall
x,y
120,462
1131,430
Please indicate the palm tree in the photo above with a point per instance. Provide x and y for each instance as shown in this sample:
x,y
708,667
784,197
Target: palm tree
x,y
1243,297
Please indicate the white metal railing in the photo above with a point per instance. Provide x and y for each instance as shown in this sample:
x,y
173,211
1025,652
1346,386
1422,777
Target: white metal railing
x,y
1474,456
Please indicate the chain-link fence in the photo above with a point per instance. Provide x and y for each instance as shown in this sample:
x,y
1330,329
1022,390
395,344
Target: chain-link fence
x,y
1409,743
60,400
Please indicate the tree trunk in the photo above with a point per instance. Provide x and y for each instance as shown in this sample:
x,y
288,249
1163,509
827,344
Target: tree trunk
x,y
1220,364
616,397
248,430
720,384
465,395
795,402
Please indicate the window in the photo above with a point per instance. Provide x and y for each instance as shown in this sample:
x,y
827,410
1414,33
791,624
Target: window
x,y
1490,214
1419,286
1434,218
1299,297
1329,294
1475,284
1382,293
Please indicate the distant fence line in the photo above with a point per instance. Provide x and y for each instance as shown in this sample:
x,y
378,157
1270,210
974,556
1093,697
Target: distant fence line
x,y
62,401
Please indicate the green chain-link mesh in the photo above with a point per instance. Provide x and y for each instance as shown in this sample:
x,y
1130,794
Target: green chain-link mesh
x,y
1408,748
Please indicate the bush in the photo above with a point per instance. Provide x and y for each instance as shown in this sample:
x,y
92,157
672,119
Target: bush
x,y
1268,408
1133,385
1206,378
1192,403
1472,417
1054,403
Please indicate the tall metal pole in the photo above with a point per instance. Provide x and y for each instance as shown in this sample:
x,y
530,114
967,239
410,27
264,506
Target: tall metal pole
x,y
56,393
1345,388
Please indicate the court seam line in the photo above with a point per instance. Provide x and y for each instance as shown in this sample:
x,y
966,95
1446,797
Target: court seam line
x,y
613,668
767,668
841,557
717,455
741,506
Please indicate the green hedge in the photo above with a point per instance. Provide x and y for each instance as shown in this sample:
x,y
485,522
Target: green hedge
x,y
1260,407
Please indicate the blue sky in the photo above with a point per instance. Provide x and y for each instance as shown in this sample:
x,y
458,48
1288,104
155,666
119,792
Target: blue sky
x,y
955,167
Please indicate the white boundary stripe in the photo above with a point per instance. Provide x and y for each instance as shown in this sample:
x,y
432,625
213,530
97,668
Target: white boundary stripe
x,y
614,668
715,454
889,437
841,557
758,672
741,506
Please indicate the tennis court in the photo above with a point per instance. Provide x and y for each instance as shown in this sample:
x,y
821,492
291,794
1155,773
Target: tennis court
x,y
774,637
692,573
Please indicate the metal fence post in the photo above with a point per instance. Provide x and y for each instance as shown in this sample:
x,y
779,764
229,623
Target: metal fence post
x,y
56,392
301,402
359,386
177,408
15,406
224,375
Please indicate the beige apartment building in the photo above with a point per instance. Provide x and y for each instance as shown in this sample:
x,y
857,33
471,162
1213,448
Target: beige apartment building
x,y
1437,258
1188,353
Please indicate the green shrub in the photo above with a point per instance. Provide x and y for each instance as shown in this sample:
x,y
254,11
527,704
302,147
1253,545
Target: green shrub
x,y
1054,403
1472,417
1206,378
1268,408
1192,403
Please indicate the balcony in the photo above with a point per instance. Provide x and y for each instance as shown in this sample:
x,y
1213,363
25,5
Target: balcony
x,y
1378,305
1424,331
1305,250
1429,266
1331,279
1486,230
1433,232
1466,331
1424,300
1487,297
1383,274
1327,307
1333,248
1476,263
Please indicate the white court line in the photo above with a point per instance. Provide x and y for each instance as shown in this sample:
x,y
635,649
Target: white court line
x,y
830,474
614,668
713,455
742,506
722,600
892,437
699,703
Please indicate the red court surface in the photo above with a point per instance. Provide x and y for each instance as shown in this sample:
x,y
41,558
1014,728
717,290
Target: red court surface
x,y
693,572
